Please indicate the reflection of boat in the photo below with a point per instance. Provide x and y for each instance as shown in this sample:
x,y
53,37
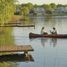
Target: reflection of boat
x,y
32,35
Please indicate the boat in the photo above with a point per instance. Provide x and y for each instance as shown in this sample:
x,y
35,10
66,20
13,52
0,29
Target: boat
x,y
33,35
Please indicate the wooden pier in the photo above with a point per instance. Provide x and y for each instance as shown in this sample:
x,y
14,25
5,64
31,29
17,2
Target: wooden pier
x,y
14,48
17,25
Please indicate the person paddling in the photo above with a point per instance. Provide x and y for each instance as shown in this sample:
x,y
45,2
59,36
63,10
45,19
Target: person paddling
x,y
42,31
54,31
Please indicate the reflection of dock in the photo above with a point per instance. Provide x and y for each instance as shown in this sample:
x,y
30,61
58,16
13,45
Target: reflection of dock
x,y
17,25
15,58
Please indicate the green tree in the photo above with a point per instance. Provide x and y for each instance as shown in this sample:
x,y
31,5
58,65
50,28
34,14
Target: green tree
x,y
7,9
35,5
25,11
60,5
47,8
52,5
29,5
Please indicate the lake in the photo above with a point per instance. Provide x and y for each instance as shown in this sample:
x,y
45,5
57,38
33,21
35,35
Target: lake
x,y
47,52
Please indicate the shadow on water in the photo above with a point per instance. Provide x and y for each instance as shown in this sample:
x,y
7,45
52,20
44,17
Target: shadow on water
x,y
15,58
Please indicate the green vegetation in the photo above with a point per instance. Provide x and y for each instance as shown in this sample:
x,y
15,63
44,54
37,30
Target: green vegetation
x,y
48,8
29,5
6,36
26,9
7,64
7,9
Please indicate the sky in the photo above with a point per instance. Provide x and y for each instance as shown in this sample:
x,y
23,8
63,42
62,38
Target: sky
x,y
40,2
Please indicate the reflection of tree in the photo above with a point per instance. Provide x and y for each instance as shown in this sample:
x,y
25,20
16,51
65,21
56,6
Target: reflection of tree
x,y
43,41
26,21
5,64
6,37
53,42
48,18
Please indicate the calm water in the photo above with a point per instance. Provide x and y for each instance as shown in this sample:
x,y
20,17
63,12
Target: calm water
x,y
47,52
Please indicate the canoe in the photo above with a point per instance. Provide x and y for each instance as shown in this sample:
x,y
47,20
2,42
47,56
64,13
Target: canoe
x,y
33,35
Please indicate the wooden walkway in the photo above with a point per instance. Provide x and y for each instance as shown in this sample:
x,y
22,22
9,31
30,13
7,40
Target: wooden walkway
x,y
14,48
17,25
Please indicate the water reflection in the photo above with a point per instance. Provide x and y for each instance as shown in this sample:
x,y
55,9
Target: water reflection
x,y
48,18
6,38
53,41
43,41
15,58
7,64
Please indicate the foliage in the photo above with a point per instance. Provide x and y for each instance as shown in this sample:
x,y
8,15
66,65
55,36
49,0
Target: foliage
x,y
7,9
52,5
29,5
47,8
35,5
25,11
25,8
60,5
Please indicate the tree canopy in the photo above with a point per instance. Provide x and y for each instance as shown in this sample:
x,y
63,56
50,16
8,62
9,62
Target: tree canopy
x,y
25,11
7,9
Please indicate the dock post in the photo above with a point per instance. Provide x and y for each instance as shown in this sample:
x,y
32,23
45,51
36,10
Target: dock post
x,y
27,57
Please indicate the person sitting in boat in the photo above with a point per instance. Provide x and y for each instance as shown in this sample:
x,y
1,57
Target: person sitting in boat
x,y
42,31
54,31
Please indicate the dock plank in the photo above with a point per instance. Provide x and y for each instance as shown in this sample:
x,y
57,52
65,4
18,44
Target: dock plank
x,y
15,48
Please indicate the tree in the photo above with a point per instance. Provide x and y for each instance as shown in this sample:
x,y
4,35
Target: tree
x,y
25,11
7,9
29,5
60,5
35,5
47,8
52,5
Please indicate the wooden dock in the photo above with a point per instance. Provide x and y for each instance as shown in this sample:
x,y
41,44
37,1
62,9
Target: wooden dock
x,y
14,48
17,25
